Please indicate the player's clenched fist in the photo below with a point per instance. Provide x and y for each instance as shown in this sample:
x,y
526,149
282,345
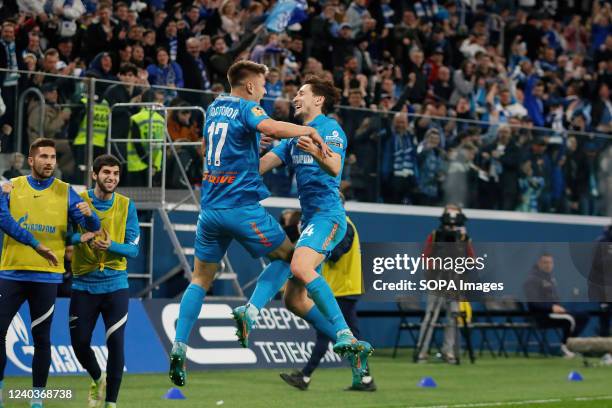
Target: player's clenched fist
x,y
84,209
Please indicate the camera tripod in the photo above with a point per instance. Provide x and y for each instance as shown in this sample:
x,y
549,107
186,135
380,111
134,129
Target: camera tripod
x,y
429,324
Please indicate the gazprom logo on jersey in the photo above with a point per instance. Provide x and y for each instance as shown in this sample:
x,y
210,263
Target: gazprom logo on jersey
x,y
279,339
50,229
146,352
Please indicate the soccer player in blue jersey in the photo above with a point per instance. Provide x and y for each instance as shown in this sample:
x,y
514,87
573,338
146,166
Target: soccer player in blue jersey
x,y
100,283
323,222
43,205
231,190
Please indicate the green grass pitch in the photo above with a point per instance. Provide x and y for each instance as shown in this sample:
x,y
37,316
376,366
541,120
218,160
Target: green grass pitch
x,y
501,382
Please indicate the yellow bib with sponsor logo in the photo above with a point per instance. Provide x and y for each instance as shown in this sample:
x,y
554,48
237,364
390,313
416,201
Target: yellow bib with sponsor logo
x,y
45,214
113,220
344,277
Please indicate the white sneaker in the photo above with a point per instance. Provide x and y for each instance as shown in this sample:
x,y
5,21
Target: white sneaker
x,y
566,352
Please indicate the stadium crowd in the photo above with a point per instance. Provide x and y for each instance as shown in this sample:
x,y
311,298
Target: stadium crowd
x,y
491,104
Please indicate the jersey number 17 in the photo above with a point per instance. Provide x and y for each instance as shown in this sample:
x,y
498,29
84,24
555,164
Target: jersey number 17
x,y
216,129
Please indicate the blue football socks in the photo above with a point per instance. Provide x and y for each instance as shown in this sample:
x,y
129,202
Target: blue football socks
x,y
271,279
191,303
322,295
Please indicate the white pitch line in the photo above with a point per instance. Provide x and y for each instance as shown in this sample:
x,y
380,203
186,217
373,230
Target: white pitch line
x,y
514,403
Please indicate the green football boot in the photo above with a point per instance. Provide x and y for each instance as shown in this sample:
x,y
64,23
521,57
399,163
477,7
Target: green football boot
x,y
244,324
178,369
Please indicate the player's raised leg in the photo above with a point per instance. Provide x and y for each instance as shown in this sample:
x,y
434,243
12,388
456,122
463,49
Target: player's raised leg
x,y
269,282
321,234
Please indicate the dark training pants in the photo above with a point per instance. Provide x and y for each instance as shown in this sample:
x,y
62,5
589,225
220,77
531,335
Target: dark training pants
x,y
41,299
84,311
348,306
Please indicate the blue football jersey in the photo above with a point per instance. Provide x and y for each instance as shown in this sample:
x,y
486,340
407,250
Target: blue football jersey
x,y
317,190
231,162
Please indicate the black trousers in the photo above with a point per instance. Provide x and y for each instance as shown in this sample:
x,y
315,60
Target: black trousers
x,y
41,299
572,324
348,306
84,311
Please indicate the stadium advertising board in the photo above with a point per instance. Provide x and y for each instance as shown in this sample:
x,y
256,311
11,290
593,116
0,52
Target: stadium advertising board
x,y
145,352
280,339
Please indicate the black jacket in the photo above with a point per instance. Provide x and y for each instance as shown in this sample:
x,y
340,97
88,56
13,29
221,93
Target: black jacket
x,y
220,63
541,291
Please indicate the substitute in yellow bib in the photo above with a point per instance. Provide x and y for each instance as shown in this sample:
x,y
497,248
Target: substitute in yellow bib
x,y
43,206
100,283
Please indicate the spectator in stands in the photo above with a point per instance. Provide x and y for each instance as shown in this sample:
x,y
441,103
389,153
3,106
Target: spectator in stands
x,y
274,90
139,58
399,171
601,112
421,57
101,67
16,169
545,305
343,46
463,82
165,73
102,33
183,128
222,57
8,80
123,55
33,47
54,120
530,189
432,169
195,71
65,48
54,117
124,92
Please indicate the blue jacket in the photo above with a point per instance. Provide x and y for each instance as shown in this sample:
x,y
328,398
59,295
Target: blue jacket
x,y
166,76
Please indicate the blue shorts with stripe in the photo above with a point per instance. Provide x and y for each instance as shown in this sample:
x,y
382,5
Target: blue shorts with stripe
x,y
252,226
322,232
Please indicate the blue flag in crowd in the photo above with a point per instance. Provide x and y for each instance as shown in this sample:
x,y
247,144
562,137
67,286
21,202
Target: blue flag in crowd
x,y
284,13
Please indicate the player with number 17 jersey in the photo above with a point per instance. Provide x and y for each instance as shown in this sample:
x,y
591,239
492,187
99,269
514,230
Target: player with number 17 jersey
x,y
231,166
231,180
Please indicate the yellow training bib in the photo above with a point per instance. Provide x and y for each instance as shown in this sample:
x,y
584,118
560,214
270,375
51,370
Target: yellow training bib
x,y
113,220
45,214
